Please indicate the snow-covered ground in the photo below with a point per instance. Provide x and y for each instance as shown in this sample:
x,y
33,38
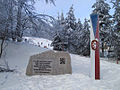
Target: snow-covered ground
x,y
18,55
40,42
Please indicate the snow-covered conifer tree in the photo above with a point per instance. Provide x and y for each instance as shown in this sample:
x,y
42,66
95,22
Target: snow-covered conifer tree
x,y
116,15
85,39
116,20
102,9
60,39
78,35
70,20
70,27
57,43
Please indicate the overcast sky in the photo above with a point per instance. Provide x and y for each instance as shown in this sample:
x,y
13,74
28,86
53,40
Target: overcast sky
x,y
82,8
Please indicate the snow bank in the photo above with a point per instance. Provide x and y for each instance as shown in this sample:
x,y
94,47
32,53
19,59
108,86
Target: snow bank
x,y
18,55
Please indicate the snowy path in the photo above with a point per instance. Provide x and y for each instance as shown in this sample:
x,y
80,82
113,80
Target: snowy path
x,y
79,80
40,42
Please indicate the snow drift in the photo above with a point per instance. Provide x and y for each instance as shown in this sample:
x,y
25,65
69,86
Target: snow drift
x,y
18,55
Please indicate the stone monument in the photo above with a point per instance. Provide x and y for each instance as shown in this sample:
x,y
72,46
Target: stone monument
x,y
49,63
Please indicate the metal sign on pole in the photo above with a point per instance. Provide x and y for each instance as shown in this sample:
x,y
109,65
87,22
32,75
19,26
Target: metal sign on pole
x,y
94,46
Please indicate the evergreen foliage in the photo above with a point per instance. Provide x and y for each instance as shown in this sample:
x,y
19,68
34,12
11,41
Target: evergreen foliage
x,y
116,15
17,18
74,35
86,38
116,21
102,9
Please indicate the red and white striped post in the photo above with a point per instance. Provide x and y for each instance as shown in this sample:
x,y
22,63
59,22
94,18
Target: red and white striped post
x,y
94,46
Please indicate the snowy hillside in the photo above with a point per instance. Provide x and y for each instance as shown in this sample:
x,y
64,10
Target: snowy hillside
x,y
18,55
40,42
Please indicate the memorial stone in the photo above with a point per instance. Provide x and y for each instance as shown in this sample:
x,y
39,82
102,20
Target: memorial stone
x,y
49,63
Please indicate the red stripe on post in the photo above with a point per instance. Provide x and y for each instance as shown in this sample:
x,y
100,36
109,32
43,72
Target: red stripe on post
x,y
97,60
97,64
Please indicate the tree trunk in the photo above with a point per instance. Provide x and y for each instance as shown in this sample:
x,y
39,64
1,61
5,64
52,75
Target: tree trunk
x,y
1,47
102,47
19,24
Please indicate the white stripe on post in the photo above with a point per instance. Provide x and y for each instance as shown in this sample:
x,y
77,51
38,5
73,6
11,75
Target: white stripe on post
x,y
92,53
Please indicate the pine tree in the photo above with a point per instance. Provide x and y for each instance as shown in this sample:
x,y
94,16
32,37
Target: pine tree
x,y
57,43
116,15
63,33
70,27
70,20
60,39
62,19
79,26
116,20
85,39
102,9
78,35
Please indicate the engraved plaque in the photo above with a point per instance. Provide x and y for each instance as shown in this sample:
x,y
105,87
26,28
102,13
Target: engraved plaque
x,y
42,66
